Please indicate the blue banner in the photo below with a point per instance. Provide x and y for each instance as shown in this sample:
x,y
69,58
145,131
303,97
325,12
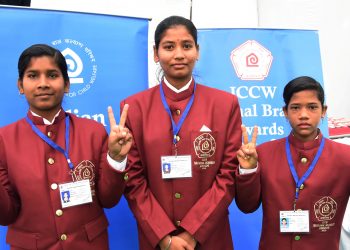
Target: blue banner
x,y
255,65
107,61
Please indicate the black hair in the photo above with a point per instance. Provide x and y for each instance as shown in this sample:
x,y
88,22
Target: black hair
x,y
302,83
170,22
39,50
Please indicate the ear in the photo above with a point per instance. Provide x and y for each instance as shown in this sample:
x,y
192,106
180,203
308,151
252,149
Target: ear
x,y
285,111
198,53
20,86
66,86
324,111
155,54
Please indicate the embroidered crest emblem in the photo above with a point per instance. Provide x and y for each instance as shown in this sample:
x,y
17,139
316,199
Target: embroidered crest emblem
x,y
85,171
204,147
325,209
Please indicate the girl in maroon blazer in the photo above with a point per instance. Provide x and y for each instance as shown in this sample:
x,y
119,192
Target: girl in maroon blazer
x,y
183,161
57,171
302,181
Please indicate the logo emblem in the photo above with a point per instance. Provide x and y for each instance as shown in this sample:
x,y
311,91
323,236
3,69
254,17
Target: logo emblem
x,y
204,145
81,63
325,209
251,61
85,171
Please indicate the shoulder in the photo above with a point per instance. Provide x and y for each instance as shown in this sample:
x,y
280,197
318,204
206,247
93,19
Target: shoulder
x,y
8,129
86,124
272,145
143,95
217,95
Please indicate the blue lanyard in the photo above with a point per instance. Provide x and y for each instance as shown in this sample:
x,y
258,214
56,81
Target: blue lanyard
x,y
176,127
52,143
298,181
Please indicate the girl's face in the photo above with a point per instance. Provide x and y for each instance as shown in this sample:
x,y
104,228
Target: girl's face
x,y
304,113
177,55
43,86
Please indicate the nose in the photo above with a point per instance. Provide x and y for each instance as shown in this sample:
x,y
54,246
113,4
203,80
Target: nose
x,y
179,54
304,114
43,82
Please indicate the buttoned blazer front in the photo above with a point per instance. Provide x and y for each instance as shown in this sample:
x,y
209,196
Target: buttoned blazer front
x,y
324,193
211,135
30,172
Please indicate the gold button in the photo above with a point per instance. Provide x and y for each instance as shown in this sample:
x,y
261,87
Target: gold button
x,y
303,160
63,237
301,187
178,222
178,138
49,134
59,212
54,186
297,237
51,161
126,177
177,195
178,112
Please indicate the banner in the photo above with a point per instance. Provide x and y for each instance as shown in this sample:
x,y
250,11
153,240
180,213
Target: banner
x,y
107,61
255,65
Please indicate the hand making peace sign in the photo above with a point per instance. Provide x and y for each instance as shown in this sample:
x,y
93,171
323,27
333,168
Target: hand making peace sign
x,y
247,155
120,139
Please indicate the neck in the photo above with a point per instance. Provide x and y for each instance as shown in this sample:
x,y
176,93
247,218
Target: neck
x,y
306,138
47,114
178,83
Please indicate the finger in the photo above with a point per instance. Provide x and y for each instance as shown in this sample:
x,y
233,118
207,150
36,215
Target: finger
x,y
244,134
112,122
255,135
124,115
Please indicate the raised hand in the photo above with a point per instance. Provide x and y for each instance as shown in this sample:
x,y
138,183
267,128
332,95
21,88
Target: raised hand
x,y
247,155
120,138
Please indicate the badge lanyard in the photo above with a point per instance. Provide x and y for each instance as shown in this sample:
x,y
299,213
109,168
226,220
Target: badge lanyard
x,y
298,181
176,127
52,143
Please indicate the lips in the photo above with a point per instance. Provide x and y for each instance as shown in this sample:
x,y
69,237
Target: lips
x,y
304,125
43,94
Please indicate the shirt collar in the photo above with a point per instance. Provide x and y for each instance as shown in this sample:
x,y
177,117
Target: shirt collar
x,y
46,122
187,85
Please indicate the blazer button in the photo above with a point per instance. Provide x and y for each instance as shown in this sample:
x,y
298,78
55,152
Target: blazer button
x,y
301,187
297,237
54,186
178,222
177,138
63,237
126,176
303,160
59,212
177,195
178,112
49,134
51,161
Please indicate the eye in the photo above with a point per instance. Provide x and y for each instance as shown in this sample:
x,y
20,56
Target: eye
x,y
53,75
188,46
294,108
31,75
168,46
313,107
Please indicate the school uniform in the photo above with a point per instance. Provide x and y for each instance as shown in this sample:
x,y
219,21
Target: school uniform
x,y
211,135
31,172
324,193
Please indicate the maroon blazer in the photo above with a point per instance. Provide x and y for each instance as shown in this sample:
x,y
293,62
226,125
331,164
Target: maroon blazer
x,y
211,134
30,171
325,192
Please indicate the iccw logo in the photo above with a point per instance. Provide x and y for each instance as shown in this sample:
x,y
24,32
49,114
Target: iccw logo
x,y
81,62
251,61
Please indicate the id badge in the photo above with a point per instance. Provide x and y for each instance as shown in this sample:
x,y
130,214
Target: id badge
x,y
179,166
75,193
294,221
